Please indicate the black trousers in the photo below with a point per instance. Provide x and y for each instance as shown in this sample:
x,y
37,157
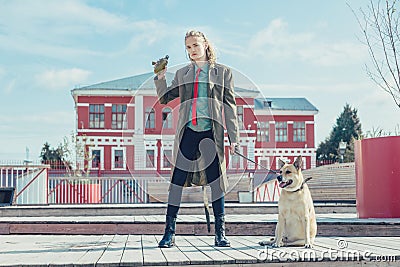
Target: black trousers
x,y
192,143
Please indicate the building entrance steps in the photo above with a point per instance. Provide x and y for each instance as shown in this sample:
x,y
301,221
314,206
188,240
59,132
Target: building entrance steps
x,y
238,222
160,209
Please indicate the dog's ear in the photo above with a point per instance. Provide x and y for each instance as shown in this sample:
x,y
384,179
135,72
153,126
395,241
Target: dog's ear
x,y
298,163
280,163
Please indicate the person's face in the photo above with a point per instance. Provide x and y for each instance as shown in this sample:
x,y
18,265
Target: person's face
x,y
196,48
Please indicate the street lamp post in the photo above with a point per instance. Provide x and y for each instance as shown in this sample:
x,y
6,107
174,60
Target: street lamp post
x,y
342,150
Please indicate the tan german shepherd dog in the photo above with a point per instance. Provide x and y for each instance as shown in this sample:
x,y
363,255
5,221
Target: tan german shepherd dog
x,y
296,225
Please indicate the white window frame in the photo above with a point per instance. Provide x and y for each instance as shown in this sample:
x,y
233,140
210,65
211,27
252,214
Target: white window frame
x,y
168,120
266,159
304,160
147,113
154,160
101,148
240,116
284,159
305,132
113,149
277,131
239,157
162,159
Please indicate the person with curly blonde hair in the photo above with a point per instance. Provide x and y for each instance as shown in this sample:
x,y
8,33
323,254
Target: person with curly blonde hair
x,y
206,91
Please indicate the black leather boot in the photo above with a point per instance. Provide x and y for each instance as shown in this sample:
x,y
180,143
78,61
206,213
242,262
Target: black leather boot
x,y
220,239
168,239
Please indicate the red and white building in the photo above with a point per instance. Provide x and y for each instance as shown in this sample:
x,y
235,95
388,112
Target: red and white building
x,y
125,128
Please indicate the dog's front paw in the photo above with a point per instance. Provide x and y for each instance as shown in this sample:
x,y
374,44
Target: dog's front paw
x,y
277,244
267,242
308,246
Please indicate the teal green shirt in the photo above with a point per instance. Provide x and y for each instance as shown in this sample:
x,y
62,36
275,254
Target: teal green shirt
x,y
203,115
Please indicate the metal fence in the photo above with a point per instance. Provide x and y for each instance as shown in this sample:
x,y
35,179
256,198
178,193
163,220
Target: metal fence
x,y
267,192
52,183
96,190
29,181
39,184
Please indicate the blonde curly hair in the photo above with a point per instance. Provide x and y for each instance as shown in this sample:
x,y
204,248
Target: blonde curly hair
x,y
210,51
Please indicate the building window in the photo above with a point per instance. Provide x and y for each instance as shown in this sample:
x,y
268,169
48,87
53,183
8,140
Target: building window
x,y
96,158
299,131
263,162
118,116
281,131
235,162
118,158
150,118
267,103
263,131
304,160
167,118
149,158
167,157
240,117
96,116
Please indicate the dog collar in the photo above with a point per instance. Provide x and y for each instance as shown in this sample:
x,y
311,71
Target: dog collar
x,y
302,185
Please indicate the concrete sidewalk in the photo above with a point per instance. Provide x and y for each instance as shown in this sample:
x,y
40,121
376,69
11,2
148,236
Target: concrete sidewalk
x,y
142,250
329,224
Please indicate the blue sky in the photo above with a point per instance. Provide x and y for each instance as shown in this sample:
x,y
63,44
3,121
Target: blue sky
x,y
288,48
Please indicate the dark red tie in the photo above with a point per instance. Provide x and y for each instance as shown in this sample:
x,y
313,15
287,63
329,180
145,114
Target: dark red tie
x,y
195,95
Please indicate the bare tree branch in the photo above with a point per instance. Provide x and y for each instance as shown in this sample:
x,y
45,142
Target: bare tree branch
x,y
380,27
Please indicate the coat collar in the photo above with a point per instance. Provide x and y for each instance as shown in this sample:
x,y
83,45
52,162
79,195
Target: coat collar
x,y
188,77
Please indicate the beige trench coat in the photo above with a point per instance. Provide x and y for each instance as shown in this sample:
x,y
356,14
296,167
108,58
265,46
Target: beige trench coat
x,y
221,100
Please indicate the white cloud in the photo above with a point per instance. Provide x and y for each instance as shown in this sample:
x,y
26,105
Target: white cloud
x,y
61,79
327,88
38,119
377,109
62,29
6,86
9,87
21,44
375,97
276,35
333,54
74,17
32,131
276,42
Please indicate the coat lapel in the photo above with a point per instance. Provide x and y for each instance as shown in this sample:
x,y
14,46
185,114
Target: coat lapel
x,y
213,77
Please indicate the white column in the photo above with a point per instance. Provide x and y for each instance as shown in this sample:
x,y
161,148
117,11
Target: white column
x,y
138,137
250,152
139,114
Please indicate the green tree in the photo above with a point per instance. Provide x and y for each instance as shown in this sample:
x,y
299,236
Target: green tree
x,y
346,129
52,156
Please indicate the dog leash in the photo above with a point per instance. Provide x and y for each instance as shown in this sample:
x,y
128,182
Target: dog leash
x,y
257,164
205,197
265,168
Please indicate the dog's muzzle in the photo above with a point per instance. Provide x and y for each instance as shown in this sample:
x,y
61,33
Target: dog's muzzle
x,y
283,184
